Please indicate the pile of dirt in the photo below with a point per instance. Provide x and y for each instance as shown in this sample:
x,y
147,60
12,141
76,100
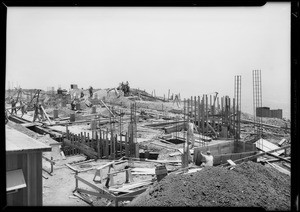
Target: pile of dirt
x,y
247,185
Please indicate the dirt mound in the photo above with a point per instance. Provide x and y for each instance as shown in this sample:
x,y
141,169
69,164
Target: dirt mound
x,y
247,185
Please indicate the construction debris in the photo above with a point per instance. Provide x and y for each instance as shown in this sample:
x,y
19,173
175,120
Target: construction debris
x,y
116,143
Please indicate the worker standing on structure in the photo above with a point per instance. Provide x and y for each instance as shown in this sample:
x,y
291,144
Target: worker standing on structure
x,y
209,159
190,133
13,106
23,108
91,91
81,94
36,113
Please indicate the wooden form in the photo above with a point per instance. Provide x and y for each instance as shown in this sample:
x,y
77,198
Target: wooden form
x,y
101,144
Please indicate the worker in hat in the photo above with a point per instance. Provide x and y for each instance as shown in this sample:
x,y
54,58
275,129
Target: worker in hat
x,y
208,159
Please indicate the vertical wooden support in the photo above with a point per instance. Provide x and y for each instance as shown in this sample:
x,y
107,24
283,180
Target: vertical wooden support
x,y
206,114
199,114
115,146
202,115
126,145
111,145
222,109
191,108
210,102
218,105
98,145
195,110
84,139
184,144
67,131
107,144
76,180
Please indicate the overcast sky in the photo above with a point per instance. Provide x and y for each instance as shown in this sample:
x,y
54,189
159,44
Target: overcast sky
x,y
192,50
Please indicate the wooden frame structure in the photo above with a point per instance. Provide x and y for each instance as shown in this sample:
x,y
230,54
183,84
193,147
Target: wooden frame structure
x,y
105,193
101,144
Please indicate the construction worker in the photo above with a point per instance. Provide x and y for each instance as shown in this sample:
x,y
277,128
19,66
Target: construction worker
x,y
209,159
23,108
81,94
13,106
36,113
91,91
190,133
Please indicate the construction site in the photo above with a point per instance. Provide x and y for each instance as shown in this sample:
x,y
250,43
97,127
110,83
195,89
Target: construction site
x,y
125,146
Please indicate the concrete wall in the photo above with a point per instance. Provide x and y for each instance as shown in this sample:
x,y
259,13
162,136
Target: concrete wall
x,y
216,149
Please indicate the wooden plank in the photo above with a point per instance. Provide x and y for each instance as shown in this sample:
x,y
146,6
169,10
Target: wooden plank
x,y
97,194
71,167
87,183
278,157
231,162
46,114
265,145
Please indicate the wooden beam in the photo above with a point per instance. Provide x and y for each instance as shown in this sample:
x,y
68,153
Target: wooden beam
x,y
278,157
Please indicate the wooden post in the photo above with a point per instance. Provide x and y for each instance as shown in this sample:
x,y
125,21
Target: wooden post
x,y
195,110
115,146
67,131
184,144
202,115
101,143
191,111
169,94
120,148
126,145
206,113
107,144
98,145
111,145
199,114
76,180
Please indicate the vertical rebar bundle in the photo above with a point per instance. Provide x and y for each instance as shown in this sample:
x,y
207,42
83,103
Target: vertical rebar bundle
x,y
237,106
257,101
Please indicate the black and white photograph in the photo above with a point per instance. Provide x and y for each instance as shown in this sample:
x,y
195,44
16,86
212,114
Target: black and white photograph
x,y
112,106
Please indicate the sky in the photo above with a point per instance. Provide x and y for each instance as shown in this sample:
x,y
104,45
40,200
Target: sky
x,y
189,50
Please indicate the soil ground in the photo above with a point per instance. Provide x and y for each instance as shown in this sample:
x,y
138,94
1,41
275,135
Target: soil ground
x,y
247,185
